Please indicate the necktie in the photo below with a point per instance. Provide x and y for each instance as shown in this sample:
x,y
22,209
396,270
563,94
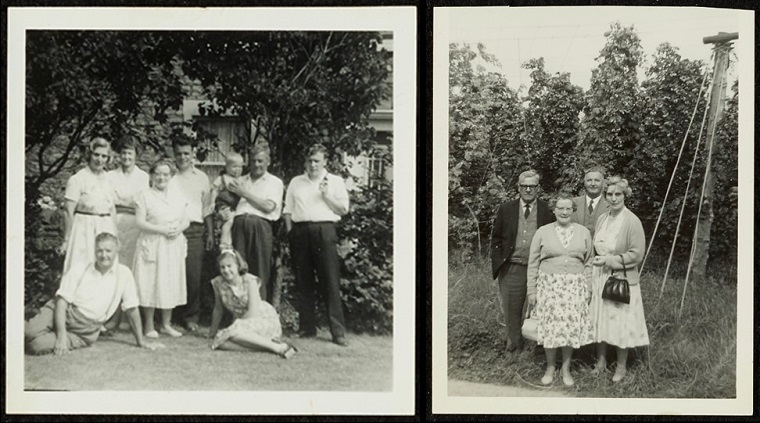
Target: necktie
x,y
527,211
591,207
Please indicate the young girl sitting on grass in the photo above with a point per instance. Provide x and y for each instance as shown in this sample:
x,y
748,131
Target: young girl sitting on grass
x,y
256,325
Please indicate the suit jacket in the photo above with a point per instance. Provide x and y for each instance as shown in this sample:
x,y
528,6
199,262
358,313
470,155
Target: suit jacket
x,y
580,214
505,230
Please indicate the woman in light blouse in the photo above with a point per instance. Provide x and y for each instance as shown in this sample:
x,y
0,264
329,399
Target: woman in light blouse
x,y
618,233
559,285
90,206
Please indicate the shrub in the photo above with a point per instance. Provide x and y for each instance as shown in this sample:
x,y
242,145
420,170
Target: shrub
x,y
367,271
42,261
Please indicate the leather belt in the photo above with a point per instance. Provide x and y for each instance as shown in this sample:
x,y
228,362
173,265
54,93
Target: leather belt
x,y
92,214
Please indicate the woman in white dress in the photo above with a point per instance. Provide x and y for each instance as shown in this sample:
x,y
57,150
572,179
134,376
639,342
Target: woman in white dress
x,y
159,263
90,206
127,181
619,237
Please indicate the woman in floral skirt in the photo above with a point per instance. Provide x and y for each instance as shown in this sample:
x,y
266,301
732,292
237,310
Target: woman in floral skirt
x,y
559,286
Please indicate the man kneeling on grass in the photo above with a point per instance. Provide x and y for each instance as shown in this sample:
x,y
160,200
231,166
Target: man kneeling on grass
x,y
87,298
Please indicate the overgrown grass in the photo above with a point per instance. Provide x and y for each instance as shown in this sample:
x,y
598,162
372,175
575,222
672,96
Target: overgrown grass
x,y
690,357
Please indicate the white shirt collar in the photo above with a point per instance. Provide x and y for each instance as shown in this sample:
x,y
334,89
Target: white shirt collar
x,y
523,204
595,200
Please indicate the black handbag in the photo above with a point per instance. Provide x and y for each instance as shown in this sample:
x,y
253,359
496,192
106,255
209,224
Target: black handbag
x,y
616,288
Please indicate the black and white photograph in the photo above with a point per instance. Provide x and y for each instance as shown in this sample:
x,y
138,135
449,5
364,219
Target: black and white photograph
x,y
592,210
204,206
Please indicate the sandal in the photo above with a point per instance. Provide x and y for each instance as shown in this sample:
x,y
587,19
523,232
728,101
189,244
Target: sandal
x,y
289,352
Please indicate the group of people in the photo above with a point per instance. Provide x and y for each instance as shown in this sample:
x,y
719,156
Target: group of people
x,y
558,256
136,239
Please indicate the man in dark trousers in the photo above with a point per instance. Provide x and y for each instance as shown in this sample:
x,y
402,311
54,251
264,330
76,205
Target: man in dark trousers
x,y
314,202
513,229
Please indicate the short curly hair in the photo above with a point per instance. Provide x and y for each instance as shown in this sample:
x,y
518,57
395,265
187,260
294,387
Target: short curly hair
x,y
562,195
620,183
97,142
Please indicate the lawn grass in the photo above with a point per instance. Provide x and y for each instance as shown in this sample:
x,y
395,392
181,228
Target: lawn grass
x,y
188,364
694,357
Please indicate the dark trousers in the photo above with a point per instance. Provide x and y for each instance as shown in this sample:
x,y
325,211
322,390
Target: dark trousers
x,y
513,287
193,268
313,247
252,238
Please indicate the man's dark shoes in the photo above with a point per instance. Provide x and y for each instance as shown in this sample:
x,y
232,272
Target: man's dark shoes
x,y
341,341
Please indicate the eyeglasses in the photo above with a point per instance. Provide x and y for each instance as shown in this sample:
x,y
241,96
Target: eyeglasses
x,y
523,186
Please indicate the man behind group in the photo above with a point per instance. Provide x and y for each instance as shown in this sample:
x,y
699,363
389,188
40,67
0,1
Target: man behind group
x,y
314,202
88,296
196,188
514,226
591,205
260,204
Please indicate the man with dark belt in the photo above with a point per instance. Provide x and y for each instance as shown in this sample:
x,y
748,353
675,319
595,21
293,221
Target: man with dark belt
x,y
195,186
314,202
513,229
260,204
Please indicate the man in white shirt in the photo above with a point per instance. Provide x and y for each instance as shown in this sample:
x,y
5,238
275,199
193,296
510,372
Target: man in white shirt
x,y
260,205
195,186
88,296
591,205
314,202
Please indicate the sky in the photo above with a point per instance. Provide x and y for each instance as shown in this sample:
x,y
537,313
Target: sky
x,y
570,38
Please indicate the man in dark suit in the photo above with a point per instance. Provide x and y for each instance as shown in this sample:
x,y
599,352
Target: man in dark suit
x,y
591,205
513,229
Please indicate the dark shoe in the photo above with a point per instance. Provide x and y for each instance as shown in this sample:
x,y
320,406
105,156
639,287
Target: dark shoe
x,y
289,352
307,334
341,341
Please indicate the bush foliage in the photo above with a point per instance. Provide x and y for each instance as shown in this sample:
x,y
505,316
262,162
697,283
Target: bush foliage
x,y
631,128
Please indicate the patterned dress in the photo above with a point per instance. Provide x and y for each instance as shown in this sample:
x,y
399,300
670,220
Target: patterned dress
x,y
562,304
622,325
159,263
264,322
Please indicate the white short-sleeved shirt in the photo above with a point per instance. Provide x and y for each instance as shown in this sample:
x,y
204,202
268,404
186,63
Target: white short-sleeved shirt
x,y
92,192
195,186
304,202
98,295
268,187
127,185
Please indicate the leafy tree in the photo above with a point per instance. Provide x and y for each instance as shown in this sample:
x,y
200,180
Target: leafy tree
x,y
485,147
610,129
85,83
552,121
296,88
80,84
669,95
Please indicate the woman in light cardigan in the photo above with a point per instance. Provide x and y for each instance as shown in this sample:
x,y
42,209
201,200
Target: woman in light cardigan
x,y
559,285
618,233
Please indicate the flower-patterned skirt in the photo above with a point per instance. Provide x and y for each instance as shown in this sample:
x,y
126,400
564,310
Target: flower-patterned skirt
x,y
562,310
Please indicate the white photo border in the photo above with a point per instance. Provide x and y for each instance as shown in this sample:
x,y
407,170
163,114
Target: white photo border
x,y
442,403
402,21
